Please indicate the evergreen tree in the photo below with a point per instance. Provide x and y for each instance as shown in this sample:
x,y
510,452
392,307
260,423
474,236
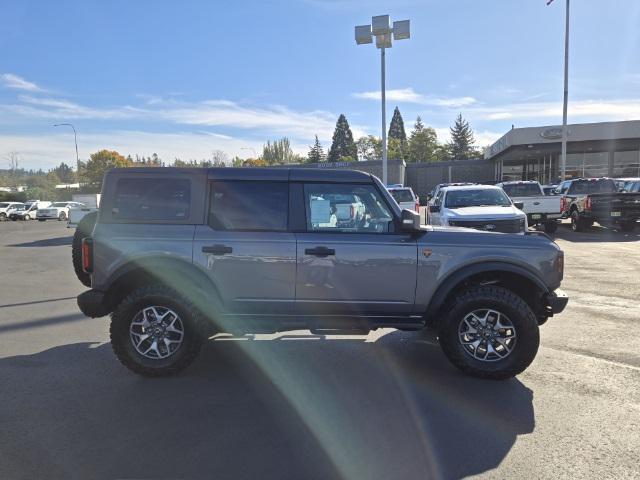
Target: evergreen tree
x,y
462,141
397,143
316,152
423,144
343,148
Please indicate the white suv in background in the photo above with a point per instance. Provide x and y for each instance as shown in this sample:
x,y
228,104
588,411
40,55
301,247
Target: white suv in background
x,y
57,211
5,207
482,207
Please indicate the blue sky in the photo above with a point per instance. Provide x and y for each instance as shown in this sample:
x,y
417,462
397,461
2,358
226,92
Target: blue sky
x,y
189,77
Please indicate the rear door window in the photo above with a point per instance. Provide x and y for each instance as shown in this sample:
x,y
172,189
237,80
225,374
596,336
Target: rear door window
x,y
144,199
249,205
522,190
402,196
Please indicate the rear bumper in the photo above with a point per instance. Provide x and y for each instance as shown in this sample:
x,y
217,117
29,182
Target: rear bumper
x,y
93,303
557,301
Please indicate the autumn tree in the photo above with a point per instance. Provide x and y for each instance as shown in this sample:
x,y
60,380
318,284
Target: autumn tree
x,y
100,162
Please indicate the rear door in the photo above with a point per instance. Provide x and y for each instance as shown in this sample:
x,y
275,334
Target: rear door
x,y
360,268
246,248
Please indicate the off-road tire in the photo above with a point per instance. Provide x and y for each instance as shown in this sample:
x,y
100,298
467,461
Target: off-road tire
x,y
505,301
156,295
62,217
27,217
3,217
551,227
577,224
83,230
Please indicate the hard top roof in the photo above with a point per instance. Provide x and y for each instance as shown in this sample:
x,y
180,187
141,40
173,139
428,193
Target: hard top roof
x,y
471,187
257,173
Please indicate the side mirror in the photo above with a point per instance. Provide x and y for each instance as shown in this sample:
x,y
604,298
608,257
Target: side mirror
x,y
518,205
434,208
410,221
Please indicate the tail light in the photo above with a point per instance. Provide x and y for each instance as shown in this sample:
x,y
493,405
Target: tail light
x,y
353,211
87,254
418,207
587,203
563,204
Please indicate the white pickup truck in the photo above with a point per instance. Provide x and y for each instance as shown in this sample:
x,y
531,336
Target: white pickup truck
x,y
541,209
90,201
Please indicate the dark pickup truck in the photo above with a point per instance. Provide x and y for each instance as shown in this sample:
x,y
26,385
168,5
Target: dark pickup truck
x,y
589,200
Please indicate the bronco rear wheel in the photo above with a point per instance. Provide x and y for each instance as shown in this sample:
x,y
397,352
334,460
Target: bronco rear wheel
x,y
490,332
154,332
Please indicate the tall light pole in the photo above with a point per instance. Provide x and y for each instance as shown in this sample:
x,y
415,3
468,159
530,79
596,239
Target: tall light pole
x,y
563,160
381,29
75,139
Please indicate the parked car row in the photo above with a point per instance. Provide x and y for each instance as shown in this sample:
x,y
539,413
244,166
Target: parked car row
x,y
501,207
37,210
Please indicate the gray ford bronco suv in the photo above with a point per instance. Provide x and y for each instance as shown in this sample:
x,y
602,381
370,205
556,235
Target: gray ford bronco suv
x,y
177,255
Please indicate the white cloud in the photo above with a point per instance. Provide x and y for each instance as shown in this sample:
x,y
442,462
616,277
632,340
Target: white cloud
x,y
482,137
619,109
408,95
11,80
47,151
267,121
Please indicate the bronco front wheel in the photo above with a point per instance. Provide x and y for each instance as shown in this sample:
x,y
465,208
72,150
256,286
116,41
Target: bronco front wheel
x,y
155,333
490,332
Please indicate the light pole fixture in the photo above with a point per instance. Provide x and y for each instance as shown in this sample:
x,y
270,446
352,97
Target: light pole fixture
x,y
383,31
75,139
563,159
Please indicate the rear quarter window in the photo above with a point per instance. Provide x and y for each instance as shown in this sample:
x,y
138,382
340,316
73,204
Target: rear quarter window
x,y
151,199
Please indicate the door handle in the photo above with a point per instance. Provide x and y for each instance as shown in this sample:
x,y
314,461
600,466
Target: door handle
x,y
217,249
320,251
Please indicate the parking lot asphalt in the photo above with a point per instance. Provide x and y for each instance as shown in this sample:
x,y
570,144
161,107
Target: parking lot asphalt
x,y
383,406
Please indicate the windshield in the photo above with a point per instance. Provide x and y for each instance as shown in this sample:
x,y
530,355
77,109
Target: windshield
x,y
522,190
403,195
593,186
476,198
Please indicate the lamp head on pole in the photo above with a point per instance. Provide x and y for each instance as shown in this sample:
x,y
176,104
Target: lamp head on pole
x,y
383,32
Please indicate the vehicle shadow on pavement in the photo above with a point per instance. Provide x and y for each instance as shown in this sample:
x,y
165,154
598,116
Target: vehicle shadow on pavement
x,y
294,408
47,242
596,234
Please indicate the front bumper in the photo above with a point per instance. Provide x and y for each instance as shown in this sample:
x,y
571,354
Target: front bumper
x,y
93,304
557,301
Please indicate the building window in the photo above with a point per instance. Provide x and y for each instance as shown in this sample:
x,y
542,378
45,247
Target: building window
x,y
596,164
626,164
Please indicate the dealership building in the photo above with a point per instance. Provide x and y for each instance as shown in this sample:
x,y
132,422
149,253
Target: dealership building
x,y
605,149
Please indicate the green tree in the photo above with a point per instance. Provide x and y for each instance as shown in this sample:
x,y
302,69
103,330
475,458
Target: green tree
x,y
343,148
462,141
280,152
316,152
397,147
102,161
65,173
369,148
423,144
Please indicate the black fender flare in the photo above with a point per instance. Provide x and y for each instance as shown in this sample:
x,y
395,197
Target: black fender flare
x,y
454,279
179,274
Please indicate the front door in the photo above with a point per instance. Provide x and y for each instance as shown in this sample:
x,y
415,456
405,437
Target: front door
x,y
246,249
350,259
